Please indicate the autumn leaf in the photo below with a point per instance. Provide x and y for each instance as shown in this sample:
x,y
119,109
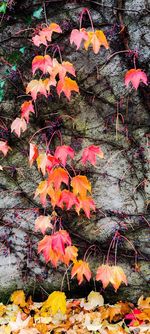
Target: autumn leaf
x,y
29,331
90,153
18,125
45,246
43,63
4,148
42,162
97,39
71,253
37,86
67,198
19,323
67,86
26,108
57,176
33,153
118,276
81,269
135,76
80,185
56,302
104,273
60,239
144,302
62,152
86,204
42,191
18,298
77,36
46,34
95,299
42,223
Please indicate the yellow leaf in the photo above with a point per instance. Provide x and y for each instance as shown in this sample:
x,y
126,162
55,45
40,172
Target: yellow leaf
x,y
56,301
18,298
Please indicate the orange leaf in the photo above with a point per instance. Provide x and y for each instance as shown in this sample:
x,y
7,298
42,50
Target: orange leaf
x,y
67,86
67,198
60,239
118,276
42,191
90,153
77,36
4,148
135,76
18,125
97,39
33,153
57,176
46,34
80,185
44,63
81,268
18,298
71,253
42,223
86,204
26,108
54,195
37,86
104,273
62,152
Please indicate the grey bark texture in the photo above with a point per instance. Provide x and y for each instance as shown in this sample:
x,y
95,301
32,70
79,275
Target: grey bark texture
x,y
105,113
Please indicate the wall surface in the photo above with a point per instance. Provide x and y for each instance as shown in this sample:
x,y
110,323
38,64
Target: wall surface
x,y
120,181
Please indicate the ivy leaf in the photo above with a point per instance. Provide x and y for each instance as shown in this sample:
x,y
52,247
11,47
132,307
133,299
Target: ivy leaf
x,y
86,204
37,86
19,323
80,185
77,36
42,223
4,148
111,274
97,39
67,198
44,63
90,153
60,239
57,176
3,7
18,125
22,50
135,76
62,152
81,269
45,246
56,302
118,276
33,153
67,86
42,191
46,34
71,253
26,108
104,273
37,13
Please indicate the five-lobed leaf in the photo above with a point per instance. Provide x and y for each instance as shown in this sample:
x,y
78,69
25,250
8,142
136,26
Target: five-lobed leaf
x,y
90,153
135,76
67,86
62,153
81,269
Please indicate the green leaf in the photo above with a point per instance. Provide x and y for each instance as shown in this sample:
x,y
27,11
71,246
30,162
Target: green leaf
x,y
3,7
37,13
22,50
2,83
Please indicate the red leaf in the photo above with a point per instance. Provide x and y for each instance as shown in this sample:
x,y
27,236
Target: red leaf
x,y
67,86
77,36
45,246
4,148
71,253
135,76
62,152
90,154
81,268
44,63
60,239
33,153
67,198
18,125
26,108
